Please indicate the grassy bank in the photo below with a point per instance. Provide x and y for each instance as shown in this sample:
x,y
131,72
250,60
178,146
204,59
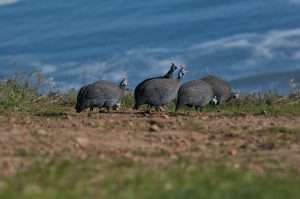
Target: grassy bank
x,y
31,92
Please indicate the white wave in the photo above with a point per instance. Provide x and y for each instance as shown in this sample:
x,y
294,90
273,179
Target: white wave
x,y
45,68
7,2
266,45
98,70
296,55
295,1
261,50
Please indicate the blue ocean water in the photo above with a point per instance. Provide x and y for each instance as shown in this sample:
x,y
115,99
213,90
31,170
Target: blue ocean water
x,y
78,42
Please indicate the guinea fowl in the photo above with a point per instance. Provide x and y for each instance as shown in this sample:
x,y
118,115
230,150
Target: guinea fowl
x,y
221,88
100,94
196,93
140,87
159,92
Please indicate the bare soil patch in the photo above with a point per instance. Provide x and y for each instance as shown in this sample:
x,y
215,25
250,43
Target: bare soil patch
x,y
254,142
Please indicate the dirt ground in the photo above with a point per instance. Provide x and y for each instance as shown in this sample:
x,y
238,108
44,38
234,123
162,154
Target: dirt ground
x,y
254,142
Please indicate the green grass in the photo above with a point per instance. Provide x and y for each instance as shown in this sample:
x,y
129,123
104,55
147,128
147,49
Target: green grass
x,y
145,153
31,92
128,180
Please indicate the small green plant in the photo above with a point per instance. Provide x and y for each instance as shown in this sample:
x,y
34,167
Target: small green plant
x,y
29,92
128,100
294,92
71,97
17,92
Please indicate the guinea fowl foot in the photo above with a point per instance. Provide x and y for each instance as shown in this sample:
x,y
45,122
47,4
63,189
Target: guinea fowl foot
x,y
187,112
158,109
166,110
198,113
149,112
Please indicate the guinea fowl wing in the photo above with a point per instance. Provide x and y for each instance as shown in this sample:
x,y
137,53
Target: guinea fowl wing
x,y
140,87
103,91
190,90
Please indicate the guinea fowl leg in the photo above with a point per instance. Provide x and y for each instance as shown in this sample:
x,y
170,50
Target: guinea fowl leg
x,y
188,111
149,109
108,109
158,109
91,110
218,108
197,111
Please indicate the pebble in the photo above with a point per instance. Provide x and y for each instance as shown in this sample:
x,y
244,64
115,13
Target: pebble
x,y
91,123
154,128
41,132
165,116
232,152
83,141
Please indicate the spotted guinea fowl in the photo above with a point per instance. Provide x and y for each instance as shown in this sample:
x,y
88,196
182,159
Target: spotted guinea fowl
x,y
221,88
139,88
100,94
159,92
196,93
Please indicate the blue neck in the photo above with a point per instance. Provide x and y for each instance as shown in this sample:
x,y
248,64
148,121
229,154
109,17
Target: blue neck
x,y
180,75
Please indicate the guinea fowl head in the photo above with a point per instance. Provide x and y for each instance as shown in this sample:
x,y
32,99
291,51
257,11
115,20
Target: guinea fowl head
x,y
183,70
124,82
169,74
173,68
235,94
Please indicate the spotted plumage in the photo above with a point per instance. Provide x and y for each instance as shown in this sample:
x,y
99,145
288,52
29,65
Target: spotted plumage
x,y
196,93
140,87
221,88
100,94
161,91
